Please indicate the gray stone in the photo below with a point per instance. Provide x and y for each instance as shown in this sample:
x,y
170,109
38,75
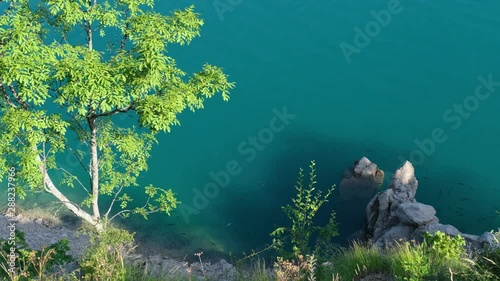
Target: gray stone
x,y
395,214
470,238
415,214
393,235
404,183
363,180
381,211
365,169
445,228
489,240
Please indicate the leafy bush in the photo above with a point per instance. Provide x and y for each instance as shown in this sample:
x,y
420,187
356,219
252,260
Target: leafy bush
x,y
301,214
31,263
444,254
105,260
443,247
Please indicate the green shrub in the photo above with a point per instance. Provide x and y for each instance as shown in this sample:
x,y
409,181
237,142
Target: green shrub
x,y
444,248
31,263
301,214
105,260
409,262
444,254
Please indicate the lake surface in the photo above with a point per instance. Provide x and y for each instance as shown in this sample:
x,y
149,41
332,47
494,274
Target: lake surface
x,y
413,77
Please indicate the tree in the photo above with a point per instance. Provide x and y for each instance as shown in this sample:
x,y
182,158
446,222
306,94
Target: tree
x,y
57,89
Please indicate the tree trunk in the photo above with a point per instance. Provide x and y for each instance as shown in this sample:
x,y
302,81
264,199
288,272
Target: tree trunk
x,y
52,189
94,170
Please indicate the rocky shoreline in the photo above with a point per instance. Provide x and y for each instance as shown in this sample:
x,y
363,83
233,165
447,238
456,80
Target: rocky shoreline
x,y
39,232
394,214
391,215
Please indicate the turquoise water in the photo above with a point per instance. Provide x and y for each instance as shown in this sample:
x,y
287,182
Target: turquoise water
x,y
394,91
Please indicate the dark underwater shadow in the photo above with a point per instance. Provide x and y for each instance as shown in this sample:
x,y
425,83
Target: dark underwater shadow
x,y
260,213
252,208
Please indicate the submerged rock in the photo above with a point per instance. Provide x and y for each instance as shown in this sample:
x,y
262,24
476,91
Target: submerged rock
x,y
363,180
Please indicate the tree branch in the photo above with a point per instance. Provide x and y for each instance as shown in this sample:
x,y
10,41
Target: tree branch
x,y
6,95
11,4
88,30
128,211
79,160
67,113
113,202
115,111
119,213
73,207
18,99
125,35
81,184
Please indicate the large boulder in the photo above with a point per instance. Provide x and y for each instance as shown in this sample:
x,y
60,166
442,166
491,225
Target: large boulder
x,y
394,215
489,240
382,212
415,214
393,235
404,184
433,228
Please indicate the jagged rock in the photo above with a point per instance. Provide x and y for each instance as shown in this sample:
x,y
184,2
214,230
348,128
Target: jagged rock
x,y
415,214
378,214
382,212
404,183
488,240
38,235
394,214
162,266
433,228
363,180
470,237
366,169
396,233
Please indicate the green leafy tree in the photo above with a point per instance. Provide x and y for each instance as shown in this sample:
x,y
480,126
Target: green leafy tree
x,y
58,89
301,214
